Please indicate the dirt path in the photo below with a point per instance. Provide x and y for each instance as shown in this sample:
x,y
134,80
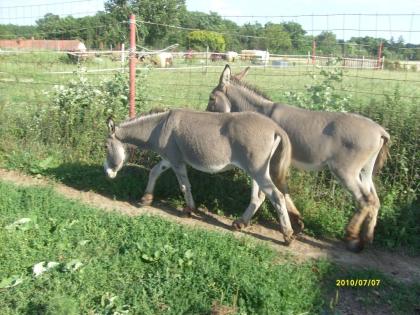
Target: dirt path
x,y
397,266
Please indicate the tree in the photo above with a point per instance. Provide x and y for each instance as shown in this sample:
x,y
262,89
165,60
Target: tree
x,y
48,25
201,39
213,22
326,42
252,36
10,31
277,40
297,35
153,13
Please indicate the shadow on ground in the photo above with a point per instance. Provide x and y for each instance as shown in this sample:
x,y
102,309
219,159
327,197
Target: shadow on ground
x,y
229,191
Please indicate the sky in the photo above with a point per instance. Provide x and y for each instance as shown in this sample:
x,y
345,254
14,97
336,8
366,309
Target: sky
x,y
377,18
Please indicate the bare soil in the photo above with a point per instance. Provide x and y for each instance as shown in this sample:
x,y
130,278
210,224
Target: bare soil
x,y
395,265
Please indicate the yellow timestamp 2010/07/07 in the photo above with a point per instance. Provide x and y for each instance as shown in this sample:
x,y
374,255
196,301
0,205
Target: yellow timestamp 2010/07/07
x,y
357,282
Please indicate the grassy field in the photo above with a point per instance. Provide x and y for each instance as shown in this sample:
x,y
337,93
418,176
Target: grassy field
x,y
107,263
191,87
53,124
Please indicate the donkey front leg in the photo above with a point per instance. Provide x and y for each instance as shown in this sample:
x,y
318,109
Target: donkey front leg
x,y
185,186
154,174
257,198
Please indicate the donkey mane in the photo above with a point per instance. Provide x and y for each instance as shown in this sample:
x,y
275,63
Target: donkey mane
x,y
152,113
250,87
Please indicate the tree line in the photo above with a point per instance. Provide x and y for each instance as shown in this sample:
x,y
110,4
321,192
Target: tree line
x,y
197,30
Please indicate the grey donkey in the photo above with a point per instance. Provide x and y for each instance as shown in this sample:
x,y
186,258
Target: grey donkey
x,y
209,142
353,147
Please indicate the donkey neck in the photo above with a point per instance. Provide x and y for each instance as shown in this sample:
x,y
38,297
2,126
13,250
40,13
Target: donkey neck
x,y
244,99
141,131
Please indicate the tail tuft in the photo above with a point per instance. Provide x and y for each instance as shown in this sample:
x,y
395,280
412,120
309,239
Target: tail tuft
x,y
281,160
383,154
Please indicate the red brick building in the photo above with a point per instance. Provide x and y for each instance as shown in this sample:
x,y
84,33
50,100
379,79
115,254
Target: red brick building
x,y
42,44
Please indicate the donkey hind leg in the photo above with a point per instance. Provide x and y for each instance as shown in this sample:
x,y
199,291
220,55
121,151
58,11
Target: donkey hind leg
x,y
154,174
257,198
185,186
365,203
279,202
373,200
294,214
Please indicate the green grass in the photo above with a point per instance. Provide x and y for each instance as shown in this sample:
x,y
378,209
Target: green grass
x,y
147,265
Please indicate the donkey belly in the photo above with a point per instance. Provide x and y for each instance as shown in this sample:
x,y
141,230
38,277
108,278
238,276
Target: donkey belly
x,y
211,168
305,166
208,158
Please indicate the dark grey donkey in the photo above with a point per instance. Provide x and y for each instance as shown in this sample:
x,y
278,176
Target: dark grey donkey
x,y
209,142
351,146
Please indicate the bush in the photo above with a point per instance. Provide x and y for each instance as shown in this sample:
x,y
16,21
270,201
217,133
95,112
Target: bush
x,y
199,40
322,95
75,117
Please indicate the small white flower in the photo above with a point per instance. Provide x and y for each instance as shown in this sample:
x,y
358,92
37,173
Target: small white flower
x,y
39,268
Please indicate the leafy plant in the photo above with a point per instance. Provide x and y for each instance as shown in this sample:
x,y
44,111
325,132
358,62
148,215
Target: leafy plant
x,y
322,94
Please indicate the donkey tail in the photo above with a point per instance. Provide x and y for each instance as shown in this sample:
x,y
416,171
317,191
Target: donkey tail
x,y
281,160
383,153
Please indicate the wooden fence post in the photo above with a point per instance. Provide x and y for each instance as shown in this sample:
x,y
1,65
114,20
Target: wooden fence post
x,y
313,51
379,65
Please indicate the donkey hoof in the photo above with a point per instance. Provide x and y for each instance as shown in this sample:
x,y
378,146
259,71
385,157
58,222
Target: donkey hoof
x,y
239,224
368,239
298,226
146,200
187,212
288,239
355,245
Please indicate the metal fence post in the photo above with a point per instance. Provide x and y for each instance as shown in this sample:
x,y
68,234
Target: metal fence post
x,y
132,100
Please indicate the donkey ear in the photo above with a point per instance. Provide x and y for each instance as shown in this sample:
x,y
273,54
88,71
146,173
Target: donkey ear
x,y
225,77
242,74
111,125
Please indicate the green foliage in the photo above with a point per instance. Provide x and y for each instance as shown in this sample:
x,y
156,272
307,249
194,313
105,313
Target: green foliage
x,y
155,11
326,43
201,39
278,39
322,94
212,22
11,31
78,111
62,305
297,36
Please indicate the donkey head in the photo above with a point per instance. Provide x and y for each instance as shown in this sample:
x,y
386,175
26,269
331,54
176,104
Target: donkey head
x,y
218,100
115,151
